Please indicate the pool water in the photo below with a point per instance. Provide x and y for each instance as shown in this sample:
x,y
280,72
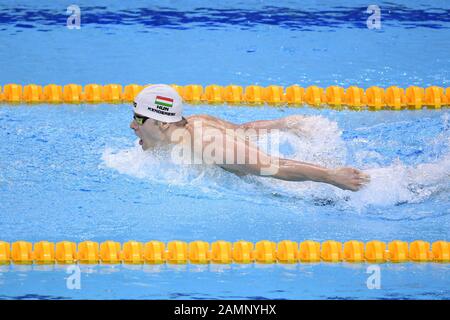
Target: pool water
x,y
76,172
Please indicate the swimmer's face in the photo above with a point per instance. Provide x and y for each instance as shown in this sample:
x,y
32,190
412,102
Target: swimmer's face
x,y
147,130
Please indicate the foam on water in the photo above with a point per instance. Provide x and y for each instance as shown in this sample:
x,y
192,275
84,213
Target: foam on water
x,y
313,139
156,166
399,183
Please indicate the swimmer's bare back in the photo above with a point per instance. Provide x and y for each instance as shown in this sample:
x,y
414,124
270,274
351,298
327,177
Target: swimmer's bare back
x,y
345,178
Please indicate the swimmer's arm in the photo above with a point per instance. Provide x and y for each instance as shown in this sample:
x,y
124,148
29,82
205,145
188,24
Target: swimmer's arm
x,y
283,169
263,124
291,170
257,162
345,178
282,123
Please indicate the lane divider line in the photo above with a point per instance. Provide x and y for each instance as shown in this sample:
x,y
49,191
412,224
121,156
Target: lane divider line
x,y
223,252
353,97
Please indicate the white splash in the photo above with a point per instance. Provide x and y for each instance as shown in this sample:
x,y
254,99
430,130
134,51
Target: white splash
x,y
155,165
391,185
312,139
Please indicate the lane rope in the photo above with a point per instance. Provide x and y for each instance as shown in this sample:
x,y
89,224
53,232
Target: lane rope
x,y
222,252
353,97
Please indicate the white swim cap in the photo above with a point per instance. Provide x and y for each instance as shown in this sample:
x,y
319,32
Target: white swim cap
x,y
160,102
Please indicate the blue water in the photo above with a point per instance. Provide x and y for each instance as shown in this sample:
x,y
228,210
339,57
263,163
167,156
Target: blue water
x,y
77,173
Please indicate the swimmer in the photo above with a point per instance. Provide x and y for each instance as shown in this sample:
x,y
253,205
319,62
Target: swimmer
x,y
158,119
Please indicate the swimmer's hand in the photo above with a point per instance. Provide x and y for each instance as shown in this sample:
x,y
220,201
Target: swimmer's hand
x,y
348,178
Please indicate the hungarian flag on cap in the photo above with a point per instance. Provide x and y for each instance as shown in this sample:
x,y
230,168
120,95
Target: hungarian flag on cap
x,y
163,101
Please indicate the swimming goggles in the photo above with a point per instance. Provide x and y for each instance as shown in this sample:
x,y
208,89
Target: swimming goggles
x,y
140,120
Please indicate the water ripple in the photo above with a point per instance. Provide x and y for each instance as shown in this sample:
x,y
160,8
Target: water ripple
x,y
286,17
